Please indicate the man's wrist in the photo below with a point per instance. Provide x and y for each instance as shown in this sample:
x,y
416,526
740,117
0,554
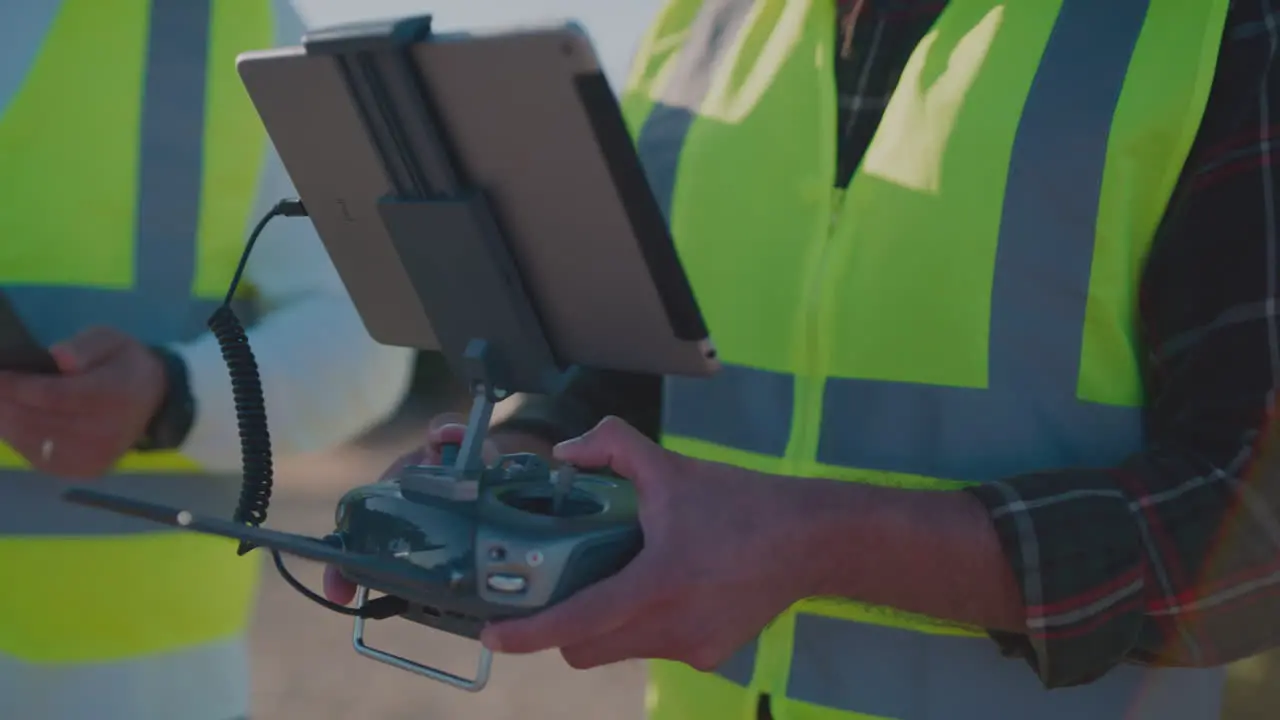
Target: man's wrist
x,y
827,520
174,416
927,552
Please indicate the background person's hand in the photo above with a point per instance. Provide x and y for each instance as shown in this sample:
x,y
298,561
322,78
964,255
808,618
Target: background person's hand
x,y
89,415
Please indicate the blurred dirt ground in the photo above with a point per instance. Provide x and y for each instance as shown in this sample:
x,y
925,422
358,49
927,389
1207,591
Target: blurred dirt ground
x,y
305,669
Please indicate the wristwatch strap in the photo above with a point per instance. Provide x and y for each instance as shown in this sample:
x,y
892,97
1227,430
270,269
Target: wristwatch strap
x,y
172,421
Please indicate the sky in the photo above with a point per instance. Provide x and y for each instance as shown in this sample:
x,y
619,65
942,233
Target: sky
x,y
615,26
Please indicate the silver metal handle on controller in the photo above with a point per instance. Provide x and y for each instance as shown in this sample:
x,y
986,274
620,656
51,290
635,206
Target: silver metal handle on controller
x,y
475,684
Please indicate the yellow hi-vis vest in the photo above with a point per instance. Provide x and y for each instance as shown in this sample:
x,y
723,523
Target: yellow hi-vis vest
x,y
964,311
132,165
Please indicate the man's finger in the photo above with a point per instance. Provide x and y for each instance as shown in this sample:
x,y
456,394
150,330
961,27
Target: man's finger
x,y
590,613
48,393
439,421
626,643
18,432
612,444
87,349
444,434
337,588
9,382
33,391
27,431
451,434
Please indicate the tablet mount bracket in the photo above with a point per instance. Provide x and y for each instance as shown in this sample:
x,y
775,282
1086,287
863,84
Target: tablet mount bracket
x,y
443,227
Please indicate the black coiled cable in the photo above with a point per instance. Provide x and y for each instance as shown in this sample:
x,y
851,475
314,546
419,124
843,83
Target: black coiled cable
x,y
251,420
246,389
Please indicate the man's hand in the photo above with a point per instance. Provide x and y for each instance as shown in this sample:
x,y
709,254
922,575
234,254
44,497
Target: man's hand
x,y
713,572
714,569
79,423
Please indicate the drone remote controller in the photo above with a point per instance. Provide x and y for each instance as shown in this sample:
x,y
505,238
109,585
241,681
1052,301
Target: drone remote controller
x,y
532,537
453,546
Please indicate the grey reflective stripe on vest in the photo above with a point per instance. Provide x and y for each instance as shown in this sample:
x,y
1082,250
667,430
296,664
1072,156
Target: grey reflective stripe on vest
x,y
31,504
889,672
210,682
158,308
1048,224
741,665
711,37
23,26
738,407
1030,409
1047,230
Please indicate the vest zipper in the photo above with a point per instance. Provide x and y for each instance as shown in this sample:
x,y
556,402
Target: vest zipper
x,y
811,381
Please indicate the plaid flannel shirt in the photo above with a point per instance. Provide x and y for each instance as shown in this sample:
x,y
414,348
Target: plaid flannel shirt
x,y
1174,557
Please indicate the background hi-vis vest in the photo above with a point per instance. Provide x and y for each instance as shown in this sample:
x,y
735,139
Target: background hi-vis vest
x,y
132,166
964,311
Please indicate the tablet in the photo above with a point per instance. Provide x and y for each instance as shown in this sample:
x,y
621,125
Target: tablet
x,y
19,349
528,119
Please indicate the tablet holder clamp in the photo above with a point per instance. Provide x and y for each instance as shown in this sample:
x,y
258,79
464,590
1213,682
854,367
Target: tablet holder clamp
x,y
460,544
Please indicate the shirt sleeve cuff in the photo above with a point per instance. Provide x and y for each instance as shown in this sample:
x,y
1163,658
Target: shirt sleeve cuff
x,y
323,379
1076,553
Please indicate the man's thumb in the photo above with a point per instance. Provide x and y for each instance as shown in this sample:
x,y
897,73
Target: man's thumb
x,y
337,588
611,444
